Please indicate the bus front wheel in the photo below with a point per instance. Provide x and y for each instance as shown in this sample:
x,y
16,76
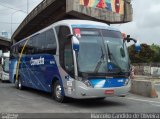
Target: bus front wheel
x,y
57,92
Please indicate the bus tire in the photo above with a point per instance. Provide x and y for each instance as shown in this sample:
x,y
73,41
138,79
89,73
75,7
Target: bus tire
x,y
20,86
57,92
16,84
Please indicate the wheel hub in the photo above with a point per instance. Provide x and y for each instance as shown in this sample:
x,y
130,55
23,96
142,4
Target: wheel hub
x,y
58,91
19,84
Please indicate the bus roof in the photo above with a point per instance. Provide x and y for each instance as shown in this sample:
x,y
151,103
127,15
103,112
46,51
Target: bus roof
x,y
85,24
74,24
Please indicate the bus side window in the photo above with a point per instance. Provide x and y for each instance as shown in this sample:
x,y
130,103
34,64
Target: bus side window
x,y
40,43
29,47
51,42
19,48
16,53
32,45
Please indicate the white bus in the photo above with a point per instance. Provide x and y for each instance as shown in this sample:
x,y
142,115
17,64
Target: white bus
x,y
4,73
73,58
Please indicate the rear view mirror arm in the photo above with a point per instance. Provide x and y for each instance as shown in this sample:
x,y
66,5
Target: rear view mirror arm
x,y
129,39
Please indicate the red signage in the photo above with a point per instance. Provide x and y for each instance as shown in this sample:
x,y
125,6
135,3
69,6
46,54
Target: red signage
x,y
109,92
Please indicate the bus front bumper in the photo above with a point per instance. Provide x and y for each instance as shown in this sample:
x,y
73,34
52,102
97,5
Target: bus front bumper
x,y
84,92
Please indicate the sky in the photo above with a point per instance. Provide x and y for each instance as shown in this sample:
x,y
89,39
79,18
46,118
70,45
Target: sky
x,y
145,26
14,11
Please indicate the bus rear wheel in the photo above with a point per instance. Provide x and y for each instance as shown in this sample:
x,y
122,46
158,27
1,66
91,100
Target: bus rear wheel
x,y
16,83
20,86
57,92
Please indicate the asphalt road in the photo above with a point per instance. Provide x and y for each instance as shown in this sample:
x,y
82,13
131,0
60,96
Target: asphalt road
x,y
13,100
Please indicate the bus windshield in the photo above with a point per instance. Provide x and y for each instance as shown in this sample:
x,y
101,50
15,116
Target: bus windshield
x,y
102,51
6,65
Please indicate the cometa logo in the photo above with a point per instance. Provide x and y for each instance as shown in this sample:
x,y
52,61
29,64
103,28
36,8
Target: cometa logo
x,y
39,61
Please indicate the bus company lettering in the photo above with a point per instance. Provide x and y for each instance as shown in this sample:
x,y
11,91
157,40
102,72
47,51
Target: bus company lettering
x,y
39,61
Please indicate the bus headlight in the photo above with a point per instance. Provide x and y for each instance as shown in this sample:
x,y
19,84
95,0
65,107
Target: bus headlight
x,y
87,83
127,82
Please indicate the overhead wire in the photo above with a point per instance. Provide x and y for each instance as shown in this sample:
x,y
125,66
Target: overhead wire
x,y
1,4
1,22
16,6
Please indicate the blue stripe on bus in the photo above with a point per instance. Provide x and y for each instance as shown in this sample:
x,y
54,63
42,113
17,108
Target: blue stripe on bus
x,y
108,82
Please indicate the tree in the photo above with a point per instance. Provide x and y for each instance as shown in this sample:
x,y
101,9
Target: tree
x,y
145,56
156,49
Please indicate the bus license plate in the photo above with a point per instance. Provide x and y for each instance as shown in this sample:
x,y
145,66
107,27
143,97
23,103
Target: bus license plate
x,y
109,92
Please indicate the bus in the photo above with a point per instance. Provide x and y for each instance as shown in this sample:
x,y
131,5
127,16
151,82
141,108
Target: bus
x,y
78,59
4,73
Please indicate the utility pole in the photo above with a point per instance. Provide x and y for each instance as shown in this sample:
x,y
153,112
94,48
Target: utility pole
x,y
27,6
11,20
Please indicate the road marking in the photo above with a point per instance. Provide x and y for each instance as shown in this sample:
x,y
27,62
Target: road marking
x,y
155,105
136,99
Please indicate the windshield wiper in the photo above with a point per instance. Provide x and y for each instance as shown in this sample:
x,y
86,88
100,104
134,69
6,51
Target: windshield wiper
x,y
109,53
100,61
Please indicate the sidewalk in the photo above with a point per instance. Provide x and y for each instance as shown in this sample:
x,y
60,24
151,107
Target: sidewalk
x,y
142,97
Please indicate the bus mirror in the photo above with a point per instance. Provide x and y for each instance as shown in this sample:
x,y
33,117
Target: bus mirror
x,y
75,43
128,39
137,46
